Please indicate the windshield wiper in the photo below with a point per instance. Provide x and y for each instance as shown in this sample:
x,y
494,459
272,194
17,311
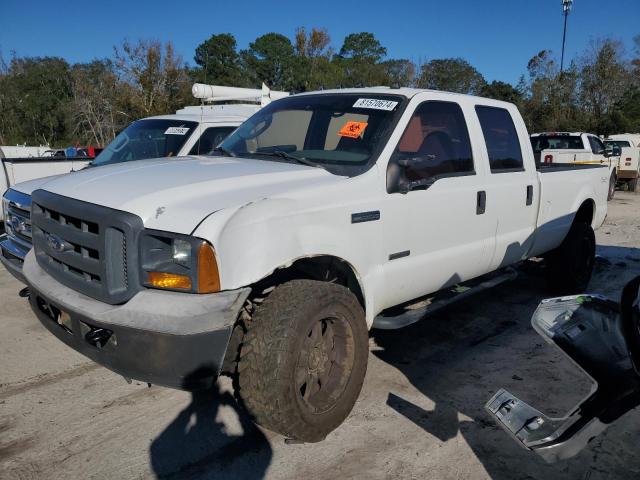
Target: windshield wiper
x,y
224,152
288,156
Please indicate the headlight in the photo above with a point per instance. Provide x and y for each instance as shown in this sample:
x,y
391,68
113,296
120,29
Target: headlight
x,y
178,262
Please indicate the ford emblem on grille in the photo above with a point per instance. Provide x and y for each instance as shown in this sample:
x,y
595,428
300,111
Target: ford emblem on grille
x,y
57,244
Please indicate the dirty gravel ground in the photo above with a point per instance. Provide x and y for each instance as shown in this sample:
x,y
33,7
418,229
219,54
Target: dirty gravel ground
x,y
420,414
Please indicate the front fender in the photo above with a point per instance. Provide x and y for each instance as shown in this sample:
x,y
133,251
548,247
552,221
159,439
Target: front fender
x,y
255,239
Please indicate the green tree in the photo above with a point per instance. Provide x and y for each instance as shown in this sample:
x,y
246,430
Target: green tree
x,y
314,69
604,81
218,61
154,79
362,46
551,102
34,100
360,61
94,113
451,75
400,72
502,91
270,59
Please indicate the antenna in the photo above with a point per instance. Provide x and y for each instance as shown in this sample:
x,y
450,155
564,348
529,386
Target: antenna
x,y
566,7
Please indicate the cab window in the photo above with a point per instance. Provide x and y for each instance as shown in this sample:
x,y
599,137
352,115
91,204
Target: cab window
x,y
210,139
435,143
501,139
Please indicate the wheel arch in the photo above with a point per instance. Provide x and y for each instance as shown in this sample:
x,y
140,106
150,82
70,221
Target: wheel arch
x,y
327,268
586,212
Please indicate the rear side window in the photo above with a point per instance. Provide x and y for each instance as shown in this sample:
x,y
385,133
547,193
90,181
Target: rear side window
x,y
436,141
501,138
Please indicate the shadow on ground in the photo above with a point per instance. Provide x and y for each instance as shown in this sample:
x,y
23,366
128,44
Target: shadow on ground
x,y
197,444
460,356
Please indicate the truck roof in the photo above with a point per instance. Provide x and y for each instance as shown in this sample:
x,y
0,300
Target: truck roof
x,y
403,91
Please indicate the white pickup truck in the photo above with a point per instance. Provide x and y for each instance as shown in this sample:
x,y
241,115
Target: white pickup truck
x,y
193,130
629,164
324,215
576,148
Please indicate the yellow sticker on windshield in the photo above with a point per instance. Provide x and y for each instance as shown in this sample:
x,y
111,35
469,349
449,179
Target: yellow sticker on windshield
x,y
353,129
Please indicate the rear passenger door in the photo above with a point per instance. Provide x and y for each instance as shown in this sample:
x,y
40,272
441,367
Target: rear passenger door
x,y
512,185
436,232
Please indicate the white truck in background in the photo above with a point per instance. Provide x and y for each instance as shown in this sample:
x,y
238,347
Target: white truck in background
x,y
21,163
193,130
323,215
629,164
23,151
576,148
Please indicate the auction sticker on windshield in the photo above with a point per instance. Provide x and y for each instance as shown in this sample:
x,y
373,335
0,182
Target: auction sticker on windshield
x,y
352,129
176,131
375,103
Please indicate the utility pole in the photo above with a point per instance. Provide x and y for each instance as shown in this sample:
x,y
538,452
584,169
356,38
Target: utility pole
x,y
566,6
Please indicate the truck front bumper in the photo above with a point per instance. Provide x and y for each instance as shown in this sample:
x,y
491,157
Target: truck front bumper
x,y
173,339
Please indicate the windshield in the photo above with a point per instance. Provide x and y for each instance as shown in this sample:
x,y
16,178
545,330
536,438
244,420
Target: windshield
x,y
619,143
343,133
557,142
153,138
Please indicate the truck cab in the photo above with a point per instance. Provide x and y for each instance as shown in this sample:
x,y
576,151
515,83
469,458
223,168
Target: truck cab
x,y
576,148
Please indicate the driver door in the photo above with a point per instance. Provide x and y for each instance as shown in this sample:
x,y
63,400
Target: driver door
x,y
436,230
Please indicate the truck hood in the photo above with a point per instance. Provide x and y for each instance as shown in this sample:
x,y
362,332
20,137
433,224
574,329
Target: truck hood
x,y
30,185
176,194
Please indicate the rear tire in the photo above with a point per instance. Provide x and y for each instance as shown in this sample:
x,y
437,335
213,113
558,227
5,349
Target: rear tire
x,y
570,266
612,187
632,185
303,359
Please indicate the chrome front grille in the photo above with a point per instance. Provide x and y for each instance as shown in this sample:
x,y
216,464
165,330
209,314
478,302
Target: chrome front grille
x,y
84,246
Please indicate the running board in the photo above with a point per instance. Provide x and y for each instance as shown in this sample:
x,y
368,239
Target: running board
x,y
416,311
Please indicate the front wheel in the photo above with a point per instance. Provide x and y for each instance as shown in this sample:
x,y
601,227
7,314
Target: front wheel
x,y
570,266
303,359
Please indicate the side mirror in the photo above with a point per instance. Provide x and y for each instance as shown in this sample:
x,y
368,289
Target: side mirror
x,y
616,150
404,185
613,151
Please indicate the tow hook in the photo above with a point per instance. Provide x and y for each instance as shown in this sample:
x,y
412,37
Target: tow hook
x,y
24,293
98,337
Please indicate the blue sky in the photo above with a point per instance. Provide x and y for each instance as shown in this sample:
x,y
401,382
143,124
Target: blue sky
x,y
498,37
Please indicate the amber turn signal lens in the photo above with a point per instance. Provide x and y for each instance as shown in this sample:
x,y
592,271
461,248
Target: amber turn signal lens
x,y
169,280
208,275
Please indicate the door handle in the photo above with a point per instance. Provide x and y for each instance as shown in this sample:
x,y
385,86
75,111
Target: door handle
x,y
481,205
529,194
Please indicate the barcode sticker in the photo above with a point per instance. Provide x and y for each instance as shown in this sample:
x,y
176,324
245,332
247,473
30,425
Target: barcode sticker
x,y
375,104
176,131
